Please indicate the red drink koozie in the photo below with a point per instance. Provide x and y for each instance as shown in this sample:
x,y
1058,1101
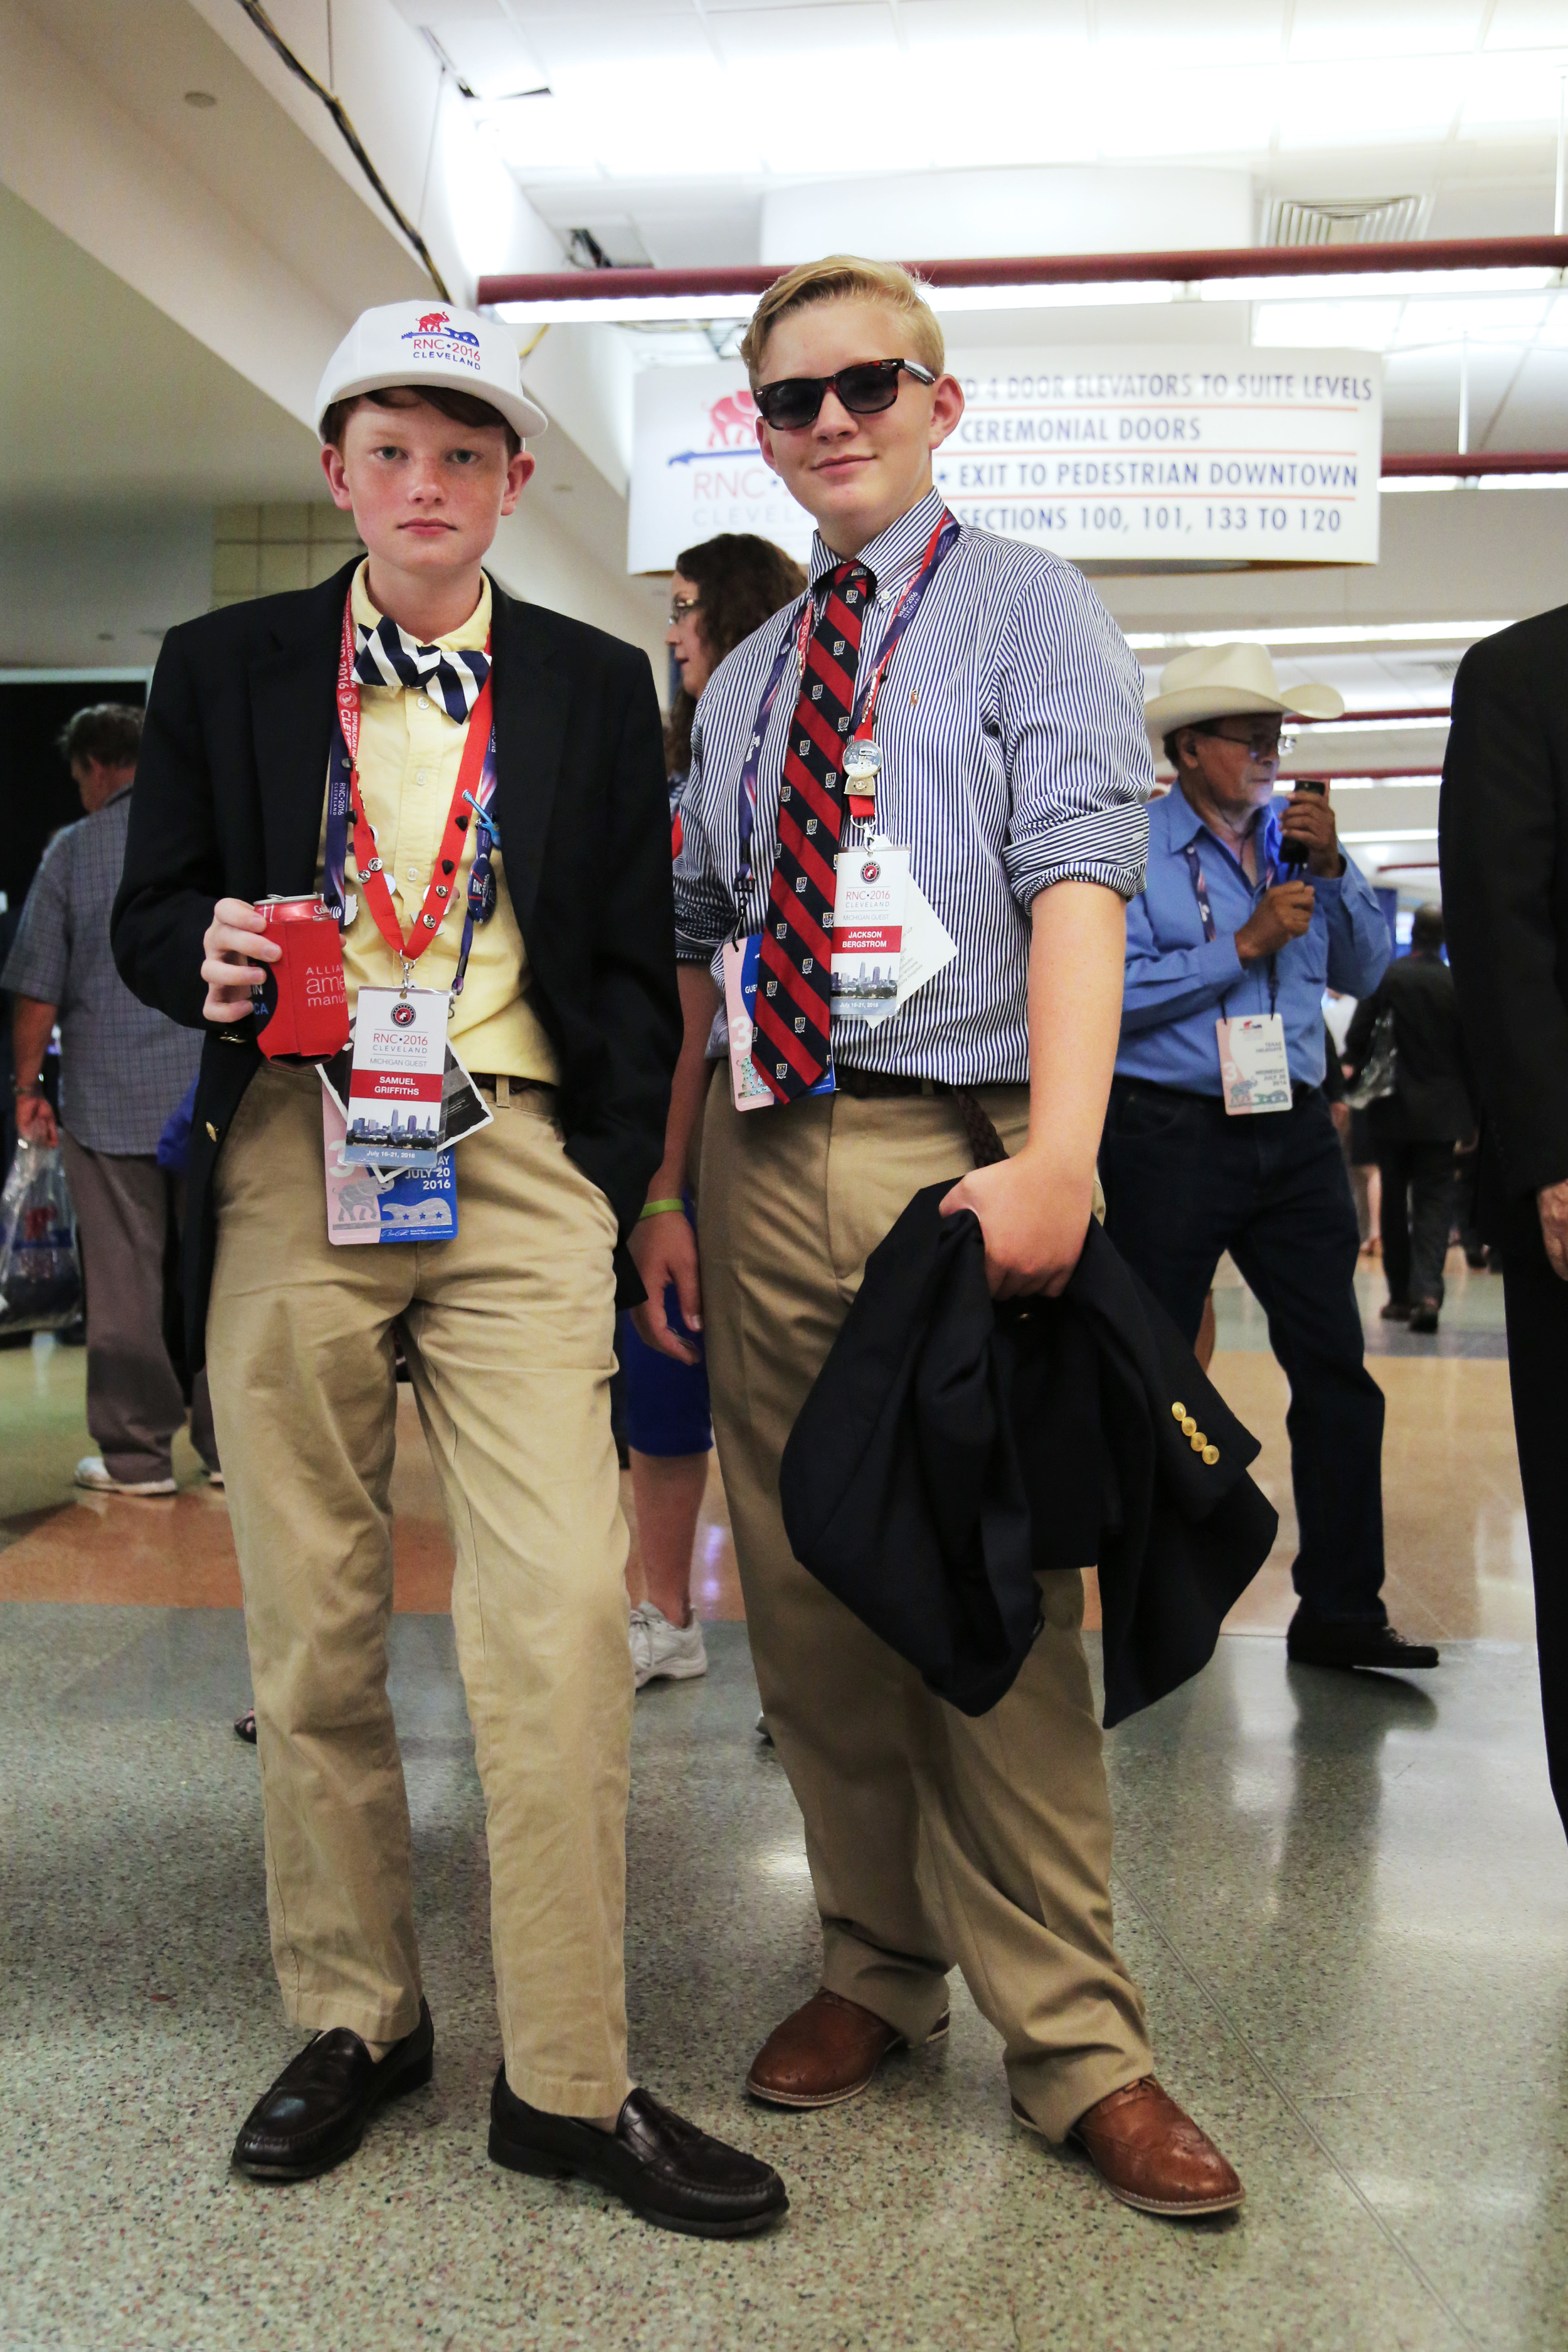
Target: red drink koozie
x,y
304,990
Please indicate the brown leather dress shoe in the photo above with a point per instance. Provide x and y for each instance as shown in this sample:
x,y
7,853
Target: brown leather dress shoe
x,y
824,2053
1152,2156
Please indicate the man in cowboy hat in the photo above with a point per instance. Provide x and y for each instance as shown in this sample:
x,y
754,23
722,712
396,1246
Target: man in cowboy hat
x,y
1218,1136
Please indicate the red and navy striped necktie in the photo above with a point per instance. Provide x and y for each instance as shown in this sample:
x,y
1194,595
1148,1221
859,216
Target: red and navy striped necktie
x,y
790,1049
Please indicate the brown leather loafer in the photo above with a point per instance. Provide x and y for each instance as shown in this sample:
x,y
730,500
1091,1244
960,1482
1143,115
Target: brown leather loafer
x,y
824,2053
1152,2156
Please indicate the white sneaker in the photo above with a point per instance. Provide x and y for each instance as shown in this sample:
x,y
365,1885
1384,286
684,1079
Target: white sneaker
x,y
92,1471
662,1651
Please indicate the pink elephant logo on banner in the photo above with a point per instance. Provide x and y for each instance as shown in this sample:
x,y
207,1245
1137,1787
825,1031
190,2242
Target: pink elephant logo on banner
x,y
732,422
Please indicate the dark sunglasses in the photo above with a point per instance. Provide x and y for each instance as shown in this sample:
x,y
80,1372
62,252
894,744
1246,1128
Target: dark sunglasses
x,y
865,390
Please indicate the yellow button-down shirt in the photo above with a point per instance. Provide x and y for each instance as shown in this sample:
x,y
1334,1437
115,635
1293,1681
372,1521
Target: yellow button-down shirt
x,y
409,755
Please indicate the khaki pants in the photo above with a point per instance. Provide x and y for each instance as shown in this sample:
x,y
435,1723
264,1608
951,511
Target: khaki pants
x,y
933,1839
508,1332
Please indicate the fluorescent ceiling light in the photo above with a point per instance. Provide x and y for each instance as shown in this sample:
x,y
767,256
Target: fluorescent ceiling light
x,y
1095,297
1376,313
1407,633
627,309
1331,326
1389,284
1400,482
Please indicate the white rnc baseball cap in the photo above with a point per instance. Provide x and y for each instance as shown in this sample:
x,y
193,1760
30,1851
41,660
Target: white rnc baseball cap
x,y
423,342
1229,682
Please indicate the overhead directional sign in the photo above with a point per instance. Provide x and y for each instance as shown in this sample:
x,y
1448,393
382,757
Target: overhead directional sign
x,y
1169,457
1181,455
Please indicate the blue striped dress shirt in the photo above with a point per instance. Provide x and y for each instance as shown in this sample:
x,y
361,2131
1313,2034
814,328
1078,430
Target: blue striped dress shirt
x,y
1014,756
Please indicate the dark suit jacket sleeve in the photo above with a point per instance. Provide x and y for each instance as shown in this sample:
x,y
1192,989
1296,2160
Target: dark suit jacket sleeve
x,y
173,874
1358,1036
617,1134
1501,846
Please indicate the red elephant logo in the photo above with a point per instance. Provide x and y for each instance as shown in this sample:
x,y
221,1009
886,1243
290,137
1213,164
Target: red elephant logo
x,y
432,322
732,422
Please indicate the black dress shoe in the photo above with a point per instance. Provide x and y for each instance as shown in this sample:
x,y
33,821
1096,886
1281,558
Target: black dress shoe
x,y
1346,1642
1424,1315
665,2170
316,2112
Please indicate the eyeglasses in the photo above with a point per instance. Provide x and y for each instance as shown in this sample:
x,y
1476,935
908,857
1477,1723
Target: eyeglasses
x,y
865,390
1263,744
679,607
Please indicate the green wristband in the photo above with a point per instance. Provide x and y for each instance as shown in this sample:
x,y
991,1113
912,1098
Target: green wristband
x,y
658,1209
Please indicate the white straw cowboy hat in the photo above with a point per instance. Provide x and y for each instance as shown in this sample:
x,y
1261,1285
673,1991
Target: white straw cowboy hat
x,y
430,343
1229,682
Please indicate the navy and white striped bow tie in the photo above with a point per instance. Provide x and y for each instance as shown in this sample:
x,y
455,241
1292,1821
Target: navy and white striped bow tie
x,y
388,655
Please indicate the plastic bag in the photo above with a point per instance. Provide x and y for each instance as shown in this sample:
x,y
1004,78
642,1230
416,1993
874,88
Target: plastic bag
x,y
1377,1078
40,1281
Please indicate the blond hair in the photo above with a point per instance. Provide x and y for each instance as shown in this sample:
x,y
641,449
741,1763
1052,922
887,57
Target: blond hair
x,y
846,278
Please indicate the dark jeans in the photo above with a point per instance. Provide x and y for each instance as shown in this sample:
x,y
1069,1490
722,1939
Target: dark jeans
x,y
1184,1182
1536,1305
1418,1217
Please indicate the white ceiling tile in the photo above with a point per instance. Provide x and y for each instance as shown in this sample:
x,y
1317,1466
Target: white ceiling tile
x,y
1528,24
923,22
588,37
1321,105
492,57
761,35
1384,28
1519,88
1237,31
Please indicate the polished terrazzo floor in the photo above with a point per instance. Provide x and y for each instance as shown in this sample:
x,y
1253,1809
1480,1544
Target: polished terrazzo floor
x,y
1347,1902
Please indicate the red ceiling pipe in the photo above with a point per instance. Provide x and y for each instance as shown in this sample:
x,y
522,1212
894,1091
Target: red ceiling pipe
x,y
1068,268
1477,461
1367,718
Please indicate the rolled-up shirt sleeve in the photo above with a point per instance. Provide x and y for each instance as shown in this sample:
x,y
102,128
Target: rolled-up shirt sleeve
x,y
704,907
1079,771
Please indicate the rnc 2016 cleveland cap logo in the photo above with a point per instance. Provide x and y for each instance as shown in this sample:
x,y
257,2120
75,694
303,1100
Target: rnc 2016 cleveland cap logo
x,y
402,1014
435,337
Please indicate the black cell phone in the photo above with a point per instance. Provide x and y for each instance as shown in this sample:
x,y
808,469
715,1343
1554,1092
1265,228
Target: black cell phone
x,y
1293,852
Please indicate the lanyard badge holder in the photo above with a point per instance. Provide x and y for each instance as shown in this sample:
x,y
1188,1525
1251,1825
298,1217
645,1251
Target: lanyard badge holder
x,y
1254,1068
399,1081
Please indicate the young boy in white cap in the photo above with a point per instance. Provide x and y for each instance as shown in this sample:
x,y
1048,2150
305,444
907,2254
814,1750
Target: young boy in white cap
x,y
476,786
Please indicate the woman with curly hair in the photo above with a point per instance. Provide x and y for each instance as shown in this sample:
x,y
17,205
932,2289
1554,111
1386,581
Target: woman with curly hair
x,y
720,591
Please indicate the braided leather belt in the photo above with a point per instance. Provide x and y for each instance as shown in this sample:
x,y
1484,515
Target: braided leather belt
x,y
873,1086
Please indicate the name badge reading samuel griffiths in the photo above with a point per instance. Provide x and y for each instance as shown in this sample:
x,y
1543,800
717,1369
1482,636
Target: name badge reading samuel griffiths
x,y
396,1117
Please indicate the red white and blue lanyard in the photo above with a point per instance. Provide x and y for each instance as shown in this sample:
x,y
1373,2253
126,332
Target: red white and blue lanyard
x,y
1206,916
943,539
471,799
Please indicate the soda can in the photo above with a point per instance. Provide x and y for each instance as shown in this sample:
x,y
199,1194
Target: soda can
x,y
303,992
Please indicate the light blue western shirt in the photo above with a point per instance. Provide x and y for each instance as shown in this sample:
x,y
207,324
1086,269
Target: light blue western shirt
x,y
1178,984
